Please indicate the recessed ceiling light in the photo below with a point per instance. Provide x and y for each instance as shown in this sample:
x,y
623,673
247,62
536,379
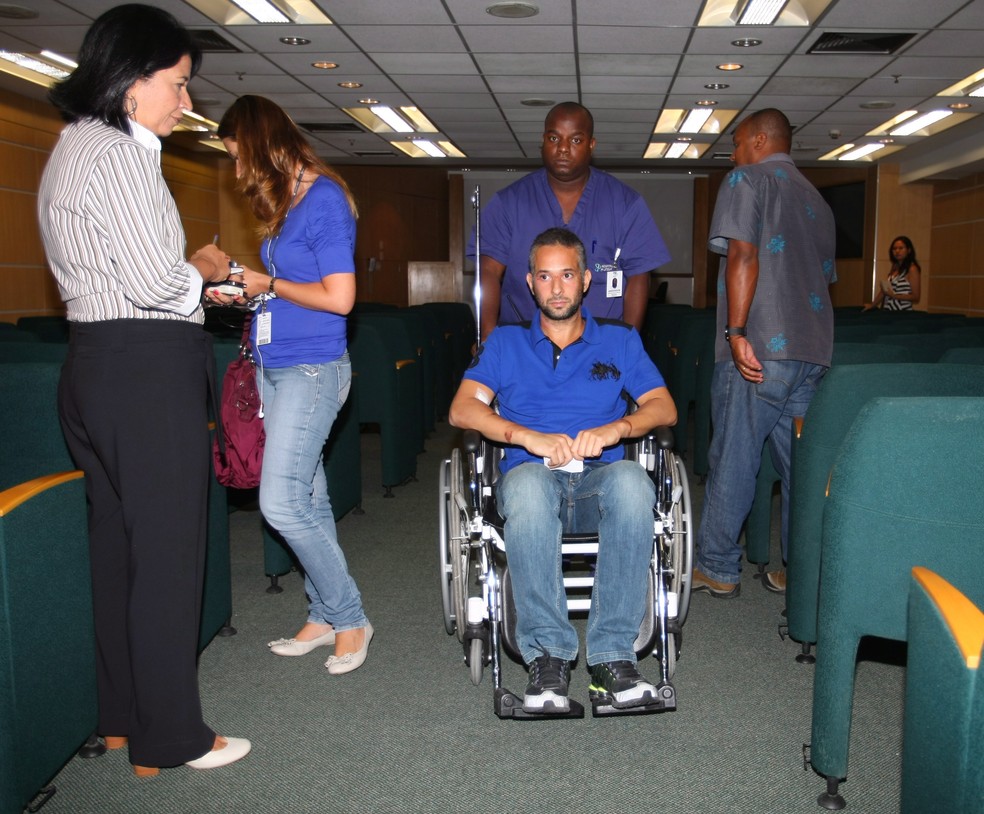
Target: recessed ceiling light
x,y
350,85
716,85
959,105
705,102
324,65
512,11
730,66
295,41
878,104
368,101
746,42
886,141
538,102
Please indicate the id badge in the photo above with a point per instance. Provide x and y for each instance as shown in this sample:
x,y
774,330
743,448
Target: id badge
x,y
613,283
573,465
264,328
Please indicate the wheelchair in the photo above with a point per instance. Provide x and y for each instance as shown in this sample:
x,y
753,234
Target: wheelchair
x,y
475,585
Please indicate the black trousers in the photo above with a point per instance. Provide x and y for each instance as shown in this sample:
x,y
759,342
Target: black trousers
x,y
132,400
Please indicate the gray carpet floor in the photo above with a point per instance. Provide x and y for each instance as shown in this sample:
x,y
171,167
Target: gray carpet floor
x,y
408,732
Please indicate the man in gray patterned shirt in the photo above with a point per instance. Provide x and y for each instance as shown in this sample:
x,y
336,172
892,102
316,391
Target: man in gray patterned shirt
x,y
775,235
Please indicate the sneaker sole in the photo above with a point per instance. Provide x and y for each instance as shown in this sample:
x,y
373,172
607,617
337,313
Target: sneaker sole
x,y
546,703
601,697
707,589
775,589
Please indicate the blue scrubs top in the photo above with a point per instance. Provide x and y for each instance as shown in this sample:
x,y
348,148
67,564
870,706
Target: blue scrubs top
x,y
609,216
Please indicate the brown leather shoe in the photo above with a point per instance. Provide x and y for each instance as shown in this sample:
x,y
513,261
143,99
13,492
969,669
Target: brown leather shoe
x,y
722,590
775,581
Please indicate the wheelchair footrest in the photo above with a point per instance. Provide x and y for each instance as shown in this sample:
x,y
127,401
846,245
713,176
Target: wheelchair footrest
x,y
510,705
665,700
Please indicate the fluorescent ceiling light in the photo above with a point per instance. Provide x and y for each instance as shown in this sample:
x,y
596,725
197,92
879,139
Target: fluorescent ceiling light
x,y
262,11
836,152
860,152
429,147
677,149
51,56
420,122
920,122
24,66
450,149
972,85
695,120
392,118
759,12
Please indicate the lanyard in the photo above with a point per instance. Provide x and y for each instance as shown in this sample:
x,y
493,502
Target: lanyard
x,y
272,243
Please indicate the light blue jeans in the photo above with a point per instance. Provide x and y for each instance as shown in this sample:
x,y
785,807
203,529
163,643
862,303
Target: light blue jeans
x,y
300,405
744,415
538,505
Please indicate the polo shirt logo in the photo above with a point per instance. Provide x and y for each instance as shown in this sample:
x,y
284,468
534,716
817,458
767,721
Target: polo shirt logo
x,y
601,371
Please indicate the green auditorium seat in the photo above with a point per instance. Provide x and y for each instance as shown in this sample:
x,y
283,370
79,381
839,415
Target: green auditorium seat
x,y
924,347
963,356
943,747
48,704
387,395
33,351
46,328
909,496
843,392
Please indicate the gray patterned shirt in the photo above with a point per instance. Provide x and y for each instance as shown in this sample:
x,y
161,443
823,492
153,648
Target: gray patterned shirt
x,y
772,206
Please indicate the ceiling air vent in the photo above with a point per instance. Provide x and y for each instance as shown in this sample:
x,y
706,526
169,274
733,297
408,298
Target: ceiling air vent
x,y
331,127
212,42
859,43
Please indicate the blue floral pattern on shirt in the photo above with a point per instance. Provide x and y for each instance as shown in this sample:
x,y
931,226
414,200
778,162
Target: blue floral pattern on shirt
x,y
778,343
777,245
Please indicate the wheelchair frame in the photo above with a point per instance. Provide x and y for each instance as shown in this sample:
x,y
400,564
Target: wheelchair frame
x,y
473,569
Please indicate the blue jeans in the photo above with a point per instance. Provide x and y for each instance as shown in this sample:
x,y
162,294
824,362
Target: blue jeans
x,y
300,404
744,415
538,504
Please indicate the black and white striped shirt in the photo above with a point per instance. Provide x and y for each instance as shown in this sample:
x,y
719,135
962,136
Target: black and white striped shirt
x,y
111,229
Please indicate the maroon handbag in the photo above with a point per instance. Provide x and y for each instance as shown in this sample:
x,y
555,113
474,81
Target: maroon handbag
x,y
238,446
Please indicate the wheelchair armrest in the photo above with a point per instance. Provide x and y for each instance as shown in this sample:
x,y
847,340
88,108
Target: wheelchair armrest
x,y
663,436
471,440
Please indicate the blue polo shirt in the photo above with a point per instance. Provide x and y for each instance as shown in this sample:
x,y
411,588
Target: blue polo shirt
x,y
609,216
583,389
317,239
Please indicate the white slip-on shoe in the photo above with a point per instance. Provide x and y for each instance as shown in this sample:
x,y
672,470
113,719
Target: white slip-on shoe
x,y
338,665
235,749
292,647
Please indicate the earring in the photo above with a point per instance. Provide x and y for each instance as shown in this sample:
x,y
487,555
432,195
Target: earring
x,y
130,106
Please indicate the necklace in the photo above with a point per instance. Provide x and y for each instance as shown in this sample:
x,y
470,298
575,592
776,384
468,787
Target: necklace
x,y
271,244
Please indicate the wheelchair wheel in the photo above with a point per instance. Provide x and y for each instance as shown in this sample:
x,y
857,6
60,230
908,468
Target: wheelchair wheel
x,y
681,548
458,543
445,501
476,661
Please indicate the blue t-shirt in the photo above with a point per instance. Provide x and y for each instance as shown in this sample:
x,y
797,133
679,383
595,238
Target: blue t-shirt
x,y
772,206
609,216
582,390
317,239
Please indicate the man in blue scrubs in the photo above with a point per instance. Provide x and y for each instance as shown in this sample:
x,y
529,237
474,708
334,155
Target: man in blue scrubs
x,y
559,382
621,240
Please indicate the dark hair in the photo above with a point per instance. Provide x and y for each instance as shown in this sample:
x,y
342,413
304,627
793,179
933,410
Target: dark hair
x,y
568,109
558,236
123,45
910,258
775,125
270,147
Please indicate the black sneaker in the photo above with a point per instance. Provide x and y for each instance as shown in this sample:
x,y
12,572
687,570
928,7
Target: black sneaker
x,y
620,684
547,689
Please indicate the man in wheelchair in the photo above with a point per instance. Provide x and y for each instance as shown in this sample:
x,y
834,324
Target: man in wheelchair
x,y
559,384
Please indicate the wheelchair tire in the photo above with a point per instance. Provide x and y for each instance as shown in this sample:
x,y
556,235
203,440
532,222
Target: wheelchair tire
x,y
458,544
444,545
683,551
476,661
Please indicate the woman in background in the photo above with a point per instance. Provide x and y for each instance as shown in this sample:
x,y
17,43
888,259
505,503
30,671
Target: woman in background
x,y
901,290
133,391
307,222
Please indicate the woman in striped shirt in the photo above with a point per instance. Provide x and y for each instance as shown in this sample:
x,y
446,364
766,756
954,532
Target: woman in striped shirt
x,y
133,391
901,290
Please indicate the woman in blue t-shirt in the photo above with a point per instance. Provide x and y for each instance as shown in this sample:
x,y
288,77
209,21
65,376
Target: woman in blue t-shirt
x,y
307,222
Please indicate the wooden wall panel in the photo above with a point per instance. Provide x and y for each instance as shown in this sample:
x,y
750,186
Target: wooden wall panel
x,y
957,244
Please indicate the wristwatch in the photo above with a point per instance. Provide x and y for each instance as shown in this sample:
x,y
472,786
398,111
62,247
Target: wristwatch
x,y
732,330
